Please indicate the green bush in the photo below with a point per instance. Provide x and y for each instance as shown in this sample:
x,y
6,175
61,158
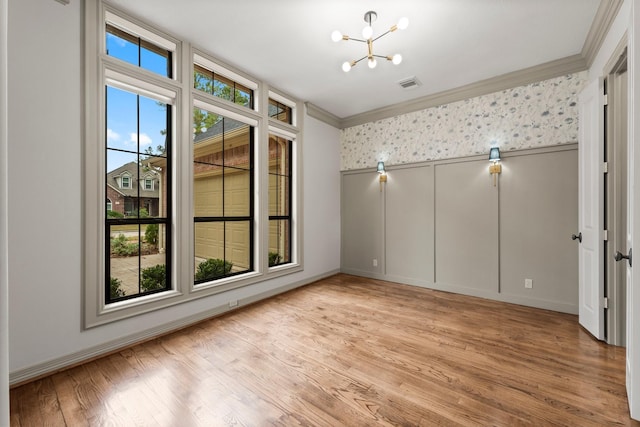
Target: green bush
x,y
144,213
212,269
274,259
115,290
151,234
154,278
121,246
114,214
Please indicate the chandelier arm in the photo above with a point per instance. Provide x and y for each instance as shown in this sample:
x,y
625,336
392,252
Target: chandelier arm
x,y
357,40
358,60
381,35
383,57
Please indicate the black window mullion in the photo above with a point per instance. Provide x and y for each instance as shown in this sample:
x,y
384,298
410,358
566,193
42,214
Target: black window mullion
x,y
168,185
224,212
138,179
251,193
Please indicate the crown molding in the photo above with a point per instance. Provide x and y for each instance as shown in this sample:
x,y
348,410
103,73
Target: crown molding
x,y
548,70
323,115
605,15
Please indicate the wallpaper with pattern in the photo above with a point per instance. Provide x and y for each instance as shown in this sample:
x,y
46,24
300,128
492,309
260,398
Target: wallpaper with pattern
x,y
536,115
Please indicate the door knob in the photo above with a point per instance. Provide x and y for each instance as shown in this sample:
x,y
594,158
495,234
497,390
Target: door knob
x,y
579,237
619,257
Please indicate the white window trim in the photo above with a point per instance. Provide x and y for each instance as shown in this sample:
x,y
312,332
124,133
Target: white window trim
x,y
130,27
133,26
210,65
101,69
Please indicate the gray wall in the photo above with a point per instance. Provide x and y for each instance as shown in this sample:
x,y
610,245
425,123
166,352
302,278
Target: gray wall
x,y
443,225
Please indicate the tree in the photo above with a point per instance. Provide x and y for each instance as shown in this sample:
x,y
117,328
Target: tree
x,y
203,120
215,86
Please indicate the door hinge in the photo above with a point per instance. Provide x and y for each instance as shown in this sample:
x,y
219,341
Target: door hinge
x,y
605,302
605,235
605,167
605,100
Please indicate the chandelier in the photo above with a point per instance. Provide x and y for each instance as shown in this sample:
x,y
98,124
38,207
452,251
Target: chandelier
x,y
367,34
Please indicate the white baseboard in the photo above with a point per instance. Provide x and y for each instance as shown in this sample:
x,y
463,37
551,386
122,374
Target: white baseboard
x,y
55,365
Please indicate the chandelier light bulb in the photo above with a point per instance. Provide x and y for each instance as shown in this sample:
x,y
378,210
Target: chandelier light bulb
x,y
372,63
397,58
346,67
336,36
403,23
367,32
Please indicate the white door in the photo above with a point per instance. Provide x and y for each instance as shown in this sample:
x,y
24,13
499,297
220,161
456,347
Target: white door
x,y
633,294
590,206
632,333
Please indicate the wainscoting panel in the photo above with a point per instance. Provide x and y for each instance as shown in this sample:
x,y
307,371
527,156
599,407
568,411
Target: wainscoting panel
x,y
466,226
538,214
409,223
362,223
444,225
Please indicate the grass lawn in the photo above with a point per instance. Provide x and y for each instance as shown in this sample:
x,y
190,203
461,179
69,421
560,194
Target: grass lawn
x,y
126,228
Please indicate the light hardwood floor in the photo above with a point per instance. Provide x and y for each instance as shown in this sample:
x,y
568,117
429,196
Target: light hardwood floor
x,y
347,351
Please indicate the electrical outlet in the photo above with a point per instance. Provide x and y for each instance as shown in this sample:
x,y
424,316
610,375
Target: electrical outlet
x,y
528,283
375,262
233,303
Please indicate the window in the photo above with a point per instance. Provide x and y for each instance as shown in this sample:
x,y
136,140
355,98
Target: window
x,y
221,87
223,202
148,184
186,213
136,263
280,200
280,111
125,181
141,53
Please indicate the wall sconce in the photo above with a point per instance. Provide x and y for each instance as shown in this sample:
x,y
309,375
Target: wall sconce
x,y
383,174
496,167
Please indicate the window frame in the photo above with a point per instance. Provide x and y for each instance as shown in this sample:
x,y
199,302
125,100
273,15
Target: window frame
x,y
136,220
251,218
290,138
178,91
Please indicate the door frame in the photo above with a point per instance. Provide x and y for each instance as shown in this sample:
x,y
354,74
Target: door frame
x,y
615,197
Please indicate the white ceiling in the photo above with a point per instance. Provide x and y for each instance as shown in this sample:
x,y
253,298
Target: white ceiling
x,y
448,44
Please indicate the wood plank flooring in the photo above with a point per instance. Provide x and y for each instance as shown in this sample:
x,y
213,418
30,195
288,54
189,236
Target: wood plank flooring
x,y
347,351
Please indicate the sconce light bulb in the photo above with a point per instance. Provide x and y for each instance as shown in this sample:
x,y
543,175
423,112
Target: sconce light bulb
x,y
403,23
336,36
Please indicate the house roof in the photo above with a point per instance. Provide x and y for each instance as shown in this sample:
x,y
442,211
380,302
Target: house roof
x,y
137,173
217,129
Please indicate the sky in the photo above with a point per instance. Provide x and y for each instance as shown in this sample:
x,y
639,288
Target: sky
x,y
134,122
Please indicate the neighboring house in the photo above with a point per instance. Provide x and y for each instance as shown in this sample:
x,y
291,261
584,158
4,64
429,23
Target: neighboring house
x,y
224,191
129,183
